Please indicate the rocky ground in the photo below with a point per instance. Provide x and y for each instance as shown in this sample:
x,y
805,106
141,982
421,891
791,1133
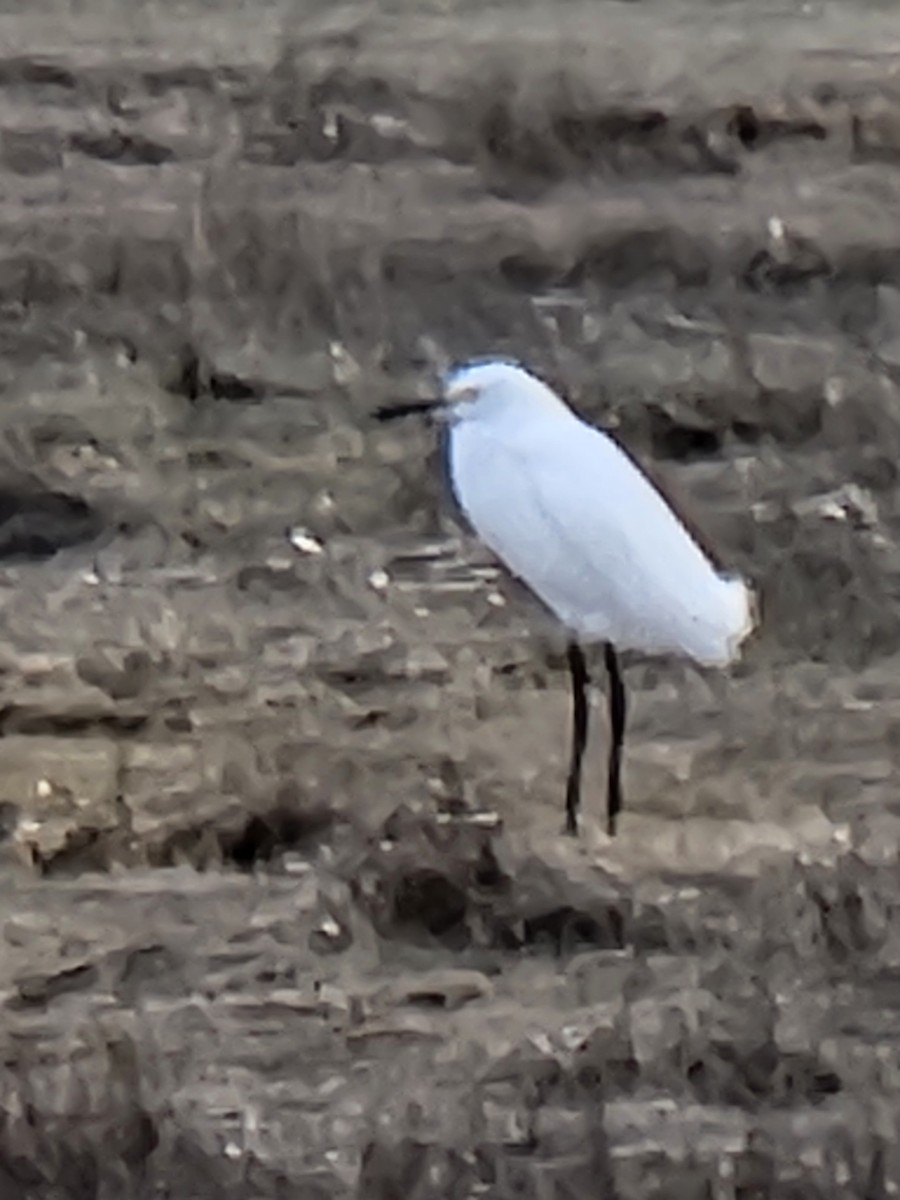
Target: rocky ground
x,y
285,906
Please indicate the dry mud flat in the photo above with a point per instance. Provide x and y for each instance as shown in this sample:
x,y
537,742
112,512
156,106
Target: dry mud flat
x,y
285,909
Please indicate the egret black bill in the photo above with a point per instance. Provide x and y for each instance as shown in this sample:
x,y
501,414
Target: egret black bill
x,y
408,408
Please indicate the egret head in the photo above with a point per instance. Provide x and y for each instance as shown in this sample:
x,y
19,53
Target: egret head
x,y
484,387
479,389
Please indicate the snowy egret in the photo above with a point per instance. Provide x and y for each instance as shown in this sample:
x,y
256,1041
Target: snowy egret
x,y
569,513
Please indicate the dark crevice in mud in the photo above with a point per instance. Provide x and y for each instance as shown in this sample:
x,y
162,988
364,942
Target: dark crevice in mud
x,y
755,130
307,143
257,840
34,525
20,718
670,439
85,851
187,377
564,139
428,898
573,141
843,922
428,880
124,149
37,72
760,1076
564,930
788,273
448,882
194,378
37,991
265,835
225,386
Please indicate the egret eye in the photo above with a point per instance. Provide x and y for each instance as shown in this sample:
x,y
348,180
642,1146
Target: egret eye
x,y
461,393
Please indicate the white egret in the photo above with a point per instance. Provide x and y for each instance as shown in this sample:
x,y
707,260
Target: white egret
x,y
569,513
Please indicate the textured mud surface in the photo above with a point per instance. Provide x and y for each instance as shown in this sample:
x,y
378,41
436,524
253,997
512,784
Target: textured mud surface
x,y
285,909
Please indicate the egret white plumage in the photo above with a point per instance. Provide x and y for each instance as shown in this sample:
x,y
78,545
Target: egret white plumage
x,y
569,513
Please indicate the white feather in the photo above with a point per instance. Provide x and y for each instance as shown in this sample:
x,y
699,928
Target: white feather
x,y
572,516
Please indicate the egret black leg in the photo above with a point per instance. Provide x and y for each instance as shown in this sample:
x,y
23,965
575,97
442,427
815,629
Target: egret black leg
x,y
580,681
617,713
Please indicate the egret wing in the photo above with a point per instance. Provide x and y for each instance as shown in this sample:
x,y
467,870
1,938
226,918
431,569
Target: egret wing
x,y
573,516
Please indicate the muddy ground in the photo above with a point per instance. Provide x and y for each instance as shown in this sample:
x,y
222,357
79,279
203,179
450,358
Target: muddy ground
x,y
286,911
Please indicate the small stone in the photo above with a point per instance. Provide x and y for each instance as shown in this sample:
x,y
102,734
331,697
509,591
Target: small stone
x,y
301,539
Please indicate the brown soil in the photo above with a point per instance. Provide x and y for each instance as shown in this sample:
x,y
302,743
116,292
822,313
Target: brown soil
x,y
285,906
